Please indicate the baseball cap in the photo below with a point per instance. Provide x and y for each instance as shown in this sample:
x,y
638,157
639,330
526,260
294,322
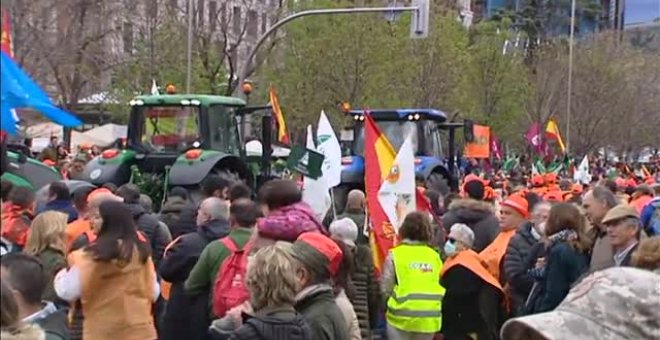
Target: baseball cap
x,y
554,196
619,212
314,249
612,304
345,230
517,203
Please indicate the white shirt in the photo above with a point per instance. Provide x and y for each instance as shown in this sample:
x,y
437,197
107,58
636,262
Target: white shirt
x,y
68,287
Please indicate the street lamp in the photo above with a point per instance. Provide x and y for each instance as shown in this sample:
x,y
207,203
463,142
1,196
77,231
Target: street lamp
x,y
570,78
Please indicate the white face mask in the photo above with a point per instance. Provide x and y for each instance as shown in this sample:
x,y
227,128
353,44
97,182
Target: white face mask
x,y
541,228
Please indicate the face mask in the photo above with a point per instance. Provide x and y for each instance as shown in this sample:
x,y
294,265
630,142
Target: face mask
x,y
541,228
450,248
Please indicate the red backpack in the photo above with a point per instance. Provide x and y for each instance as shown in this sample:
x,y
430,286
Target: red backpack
x,y
229,289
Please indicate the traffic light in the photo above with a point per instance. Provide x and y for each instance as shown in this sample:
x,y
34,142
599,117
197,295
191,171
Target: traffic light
x,y
419,25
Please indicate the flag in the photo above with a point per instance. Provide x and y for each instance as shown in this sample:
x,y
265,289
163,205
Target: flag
x,y
305,161
282,132
6,41
315,191
552,131
582,175
495,147
328,145
535,139
154,88
645,172
510,164
397,193
378,158
480,147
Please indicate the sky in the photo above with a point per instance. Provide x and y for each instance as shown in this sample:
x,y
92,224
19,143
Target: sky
x,y
641,11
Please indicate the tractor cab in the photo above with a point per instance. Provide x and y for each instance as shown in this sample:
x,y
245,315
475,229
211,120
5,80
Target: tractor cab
x,y
426,128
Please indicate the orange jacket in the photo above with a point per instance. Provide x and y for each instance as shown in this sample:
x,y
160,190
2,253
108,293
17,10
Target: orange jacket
x,y
493,254
16,222
640,202
471,260
75,229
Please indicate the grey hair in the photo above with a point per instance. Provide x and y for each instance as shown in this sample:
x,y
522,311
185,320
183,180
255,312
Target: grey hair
x,y
605,195
216,208
539,205
464,233
146,203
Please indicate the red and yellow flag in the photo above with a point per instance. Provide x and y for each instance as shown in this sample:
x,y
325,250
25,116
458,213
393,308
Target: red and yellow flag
x,y
5,39
552,131
379,156
282,132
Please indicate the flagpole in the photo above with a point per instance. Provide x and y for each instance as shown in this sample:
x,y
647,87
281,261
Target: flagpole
x,y
332,201
570,78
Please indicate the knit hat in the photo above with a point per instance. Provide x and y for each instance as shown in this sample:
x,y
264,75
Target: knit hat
x,y
345,230
615,303
517,203
316,250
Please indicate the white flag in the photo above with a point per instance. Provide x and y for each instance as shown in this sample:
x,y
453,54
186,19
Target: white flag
x,y
154,88
315,191
328,145
397,193
582,174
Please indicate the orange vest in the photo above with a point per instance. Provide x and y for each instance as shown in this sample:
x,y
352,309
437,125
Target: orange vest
x,y
471,260
75,229
493,254
116,300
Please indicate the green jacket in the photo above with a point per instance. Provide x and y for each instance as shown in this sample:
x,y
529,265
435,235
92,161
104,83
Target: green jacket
x,y
202,277
53,261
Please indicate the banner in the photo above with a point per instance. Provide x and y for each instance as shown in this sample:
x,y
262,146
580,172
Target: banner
x,y
305,161
480,147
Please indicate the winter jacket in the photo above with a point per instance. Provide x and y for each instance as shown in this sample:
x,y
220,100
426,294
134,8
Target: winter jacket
x,y
15,224
348,312
286,223
536,276
23,332
202,276
274,324
52,260
186,315
148,225
170,214
358,216
602,255
187,222
564,266
477,215
317,304
52,321
647,215
640,202
518,283
367,298
63,206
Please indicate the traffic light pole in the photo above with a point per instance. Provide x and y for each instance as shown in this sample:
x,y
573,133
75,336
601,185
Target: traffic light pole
x,y
419,28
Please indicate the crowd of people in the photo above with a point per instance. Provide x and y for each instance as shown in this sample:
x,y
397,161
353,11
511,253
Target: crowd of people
x,y
495,261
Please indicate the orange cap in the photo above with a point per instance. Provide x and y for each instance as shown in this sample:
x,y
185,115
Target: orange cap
x,y
550,178
97,192
538,181
517,203
554,196
576,189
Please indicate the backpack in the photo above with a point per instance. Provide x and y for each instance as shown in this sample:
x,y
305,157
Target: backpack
x,y
653,227
229,289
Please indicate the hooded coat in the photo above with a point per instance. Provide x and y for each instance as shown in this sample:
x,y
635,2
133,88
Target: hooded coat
x,y
149,225
287,223
478,215
186,315
170,214
515,270
317,304
274,324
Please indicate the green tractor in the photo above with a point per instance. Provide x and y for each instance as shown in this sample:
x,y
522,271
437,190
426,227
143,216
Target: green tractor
x,y
22,170
176,140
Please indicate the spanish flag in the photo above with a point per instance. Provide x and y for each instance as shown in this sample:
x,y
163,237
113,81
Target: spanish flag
x,y
552,131
5,39
379,156
282,132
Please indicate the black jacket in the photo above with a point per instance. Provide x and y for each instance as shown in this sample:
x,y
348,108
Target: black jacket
x,y
470,305
170,214
186,316
55,325
367,297
280,324
519,283
322,314
148,224
538,288
187,221
477,215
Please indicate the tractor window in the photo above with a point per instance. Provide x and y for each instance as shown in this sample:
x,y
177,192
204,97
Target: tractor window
x,y
170,128
223,129
395,131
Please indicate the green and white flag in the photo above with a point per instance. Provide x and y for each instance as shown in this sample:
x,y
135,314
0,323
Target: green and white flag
x,y
305,161
315,192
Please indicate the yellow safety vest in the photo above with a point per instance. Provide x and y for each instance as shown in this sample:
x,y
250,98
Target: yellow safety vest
x,y
416,302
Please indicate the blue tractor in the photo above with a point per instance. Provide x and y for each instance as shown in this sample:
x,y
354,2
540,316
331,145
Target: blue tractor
x,y
427,127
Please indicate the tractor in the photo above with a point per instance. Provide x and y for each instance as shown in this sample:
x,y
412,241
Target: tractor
x,y
19,168
426,125
176,140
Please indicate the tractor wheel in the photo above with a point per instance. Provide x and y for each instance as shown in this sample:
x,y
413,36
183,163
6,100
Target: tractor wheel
x,y
438,182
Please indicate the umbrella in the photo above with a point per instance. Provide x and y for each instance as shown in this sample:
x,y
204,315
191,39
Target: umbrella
x,y
17,90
